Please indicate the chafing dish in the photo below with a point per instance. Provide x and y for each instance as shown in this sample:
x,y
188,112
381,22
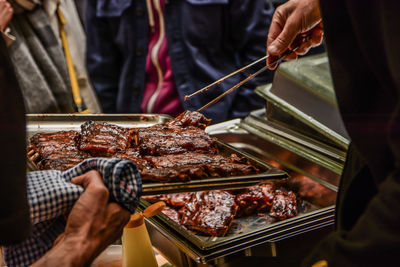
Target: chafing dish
x,y
50,123
316,184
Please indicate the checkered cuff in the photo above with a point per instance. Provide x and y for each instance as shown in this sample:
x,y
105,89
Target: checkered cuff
x,y
51,196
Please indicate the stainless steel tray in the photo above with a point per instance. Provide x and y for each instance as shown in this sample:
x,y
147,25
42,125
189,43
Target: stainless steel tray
x,y
315,184
242,228
51,123
301,117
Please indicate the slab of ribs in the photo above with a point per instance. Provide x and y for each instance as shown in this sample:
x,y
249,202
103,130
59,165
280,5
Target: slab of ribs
x,y
212,212
178,150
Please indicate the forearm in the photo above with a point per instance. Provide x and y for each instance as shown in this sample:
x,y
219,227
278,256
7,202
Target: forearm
x,y
70,251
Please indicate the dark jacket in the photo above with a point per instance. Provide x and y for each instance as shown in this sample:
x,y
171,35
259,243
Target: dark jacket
x,y
14,212
363,43
207,39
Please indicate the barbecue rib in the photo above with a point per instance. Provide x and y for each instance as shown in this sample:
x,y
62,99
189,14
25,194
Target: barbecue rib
x,y
162,140
56,151
176,200
133,155
190,118
103,139
284,205
209,212
188,166
256,199
178,150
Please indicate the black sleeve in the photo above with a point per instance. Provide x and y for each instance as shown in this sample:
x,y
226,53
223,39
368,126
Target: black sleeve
x,y
362,40
14,212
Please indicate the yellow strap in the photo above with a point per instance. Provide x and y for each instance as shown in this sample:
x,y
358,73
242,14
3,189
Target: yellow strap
x,y
71,71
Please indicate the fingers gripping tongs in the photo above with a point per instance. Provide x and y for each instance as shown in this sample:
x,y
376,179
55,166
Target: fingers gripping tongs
x,y
299,40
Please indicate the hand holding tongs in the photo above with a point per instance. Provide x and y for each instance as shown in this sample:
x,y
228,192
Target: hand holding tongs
x,y
299,40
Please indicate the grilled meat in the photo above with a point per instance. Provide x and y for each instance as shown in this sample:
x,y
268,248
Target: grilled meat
x,y
190,118
209,212
189,166
284,205
176,200
133,155
103,139
256,199
212,212
172,214
57,151
178,150
162,140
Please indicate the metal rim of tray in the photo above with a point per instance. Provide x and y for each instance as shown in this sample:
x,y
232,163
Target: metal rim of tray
x,y
265,91
273,233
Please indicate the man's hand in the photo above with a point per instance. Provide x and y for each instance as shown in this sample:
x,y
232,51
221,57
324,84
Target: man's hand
x,y
6,13
291,19
92,225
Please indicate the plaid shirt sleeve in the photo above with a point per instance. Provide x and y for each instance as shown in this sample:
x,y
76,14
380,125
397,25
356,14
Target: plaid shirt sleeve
x,y
51,196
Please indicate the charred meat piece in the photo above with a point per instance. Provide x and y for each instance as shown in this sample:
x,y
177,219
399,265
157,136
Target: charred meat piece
x,y
188,166
190,118
284,205
103,139
209,212
172,161
176,200
162,140
181,173
172,214
133,155
256,199
56,151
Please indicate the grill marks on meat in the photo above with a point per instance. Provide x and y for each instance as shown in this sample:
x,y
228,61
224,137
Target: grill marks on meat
x,y
161,140
190,118
57,151
103,139
178,150
209,212
133,155
212,212
188,166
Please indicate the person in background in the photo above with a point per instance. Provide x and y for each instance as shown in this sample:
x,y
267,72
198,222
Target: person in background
x,y
144,56
363,41
93,222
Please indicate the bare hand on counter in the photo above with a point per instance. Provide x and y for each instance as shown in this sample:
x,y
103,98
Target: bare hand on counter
x,y
92,225
291,19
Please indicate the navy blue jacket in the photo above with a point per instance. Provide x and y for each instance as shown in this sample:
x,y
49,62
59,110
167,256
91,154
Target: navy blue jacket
x,y
207,39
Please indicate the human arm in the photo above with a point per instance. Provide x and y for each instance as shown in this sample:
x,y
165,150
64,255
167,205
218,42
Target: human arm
x,y
291,19
92,225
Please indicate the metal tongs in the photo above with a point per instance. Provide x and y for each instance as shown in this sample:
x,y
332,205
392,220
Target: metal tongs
x,y
299,40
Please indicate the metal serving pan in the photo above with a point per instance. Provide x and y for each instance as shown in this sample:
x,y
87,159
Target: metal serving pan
x,y
241,228
315,184
50,123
